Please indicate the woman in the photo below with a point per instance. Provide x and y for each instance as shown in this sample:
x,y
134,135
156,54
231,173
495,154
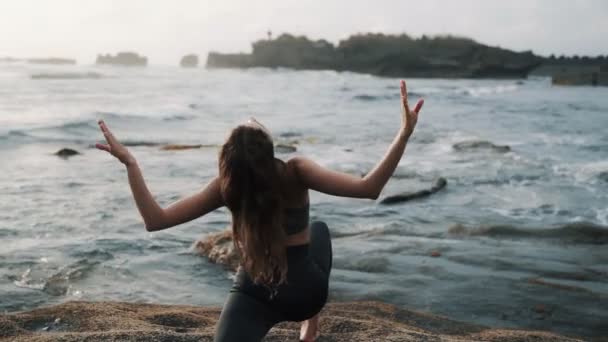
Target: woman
x,y
285,261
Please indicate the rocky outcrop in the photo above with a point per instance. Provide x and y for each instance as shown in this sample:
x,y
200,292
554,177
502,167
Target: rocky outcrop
x,y
189,61
218,248
78,321
122,59
385,55
439,184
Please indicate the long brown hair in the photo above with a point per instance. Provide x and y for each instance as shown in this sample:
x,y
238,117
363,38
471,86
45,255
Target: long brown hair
x,y
251,189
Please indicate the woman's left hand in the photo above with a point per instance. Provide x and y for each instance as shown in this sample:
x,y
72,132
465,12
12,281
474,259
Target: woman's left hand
x,y
114,147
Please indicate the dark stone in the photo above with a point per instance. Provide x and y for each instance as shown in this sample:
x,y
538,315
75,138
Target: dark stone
x,y
480,145
66,152
440,183
282,148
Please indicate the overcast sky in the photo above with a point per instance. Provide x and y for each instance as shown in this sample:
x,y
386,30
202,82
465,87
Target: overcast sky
x,y
164,30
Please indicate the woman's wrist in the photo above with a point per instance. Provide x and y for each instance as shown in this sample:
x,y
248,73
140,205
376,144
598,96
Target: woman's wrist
x,y
404,134
130,162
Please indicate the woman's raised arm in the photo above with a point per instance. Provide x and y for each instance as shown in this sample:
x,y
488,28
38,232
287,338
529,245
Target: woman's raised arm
x,y
331,182
155,217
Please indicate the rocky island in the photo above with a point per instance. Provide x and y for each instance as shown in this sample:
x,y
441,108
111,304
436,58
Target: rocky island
x,y
189,61
385,55
404,56
122,59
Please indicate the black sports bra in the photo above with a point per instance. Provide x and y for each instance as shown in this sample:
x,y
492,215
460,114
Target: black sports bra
x,y
296,219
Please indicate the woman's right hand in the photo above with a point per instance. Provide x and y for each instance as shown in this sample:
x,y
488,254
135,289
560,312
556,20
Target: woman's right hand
x,y
410,117
114,147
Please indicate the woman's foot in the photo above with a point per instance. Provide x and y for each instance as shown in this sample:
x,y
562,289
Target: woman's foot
x,y
309,331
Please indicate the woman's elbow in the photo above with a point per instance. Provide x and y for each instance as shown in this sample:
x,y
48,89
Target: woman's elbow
x,y
369,190
154,226
373,195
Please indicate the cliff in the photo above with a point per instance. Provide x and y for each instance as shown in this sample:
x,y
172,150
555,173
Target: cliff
x,y
385,55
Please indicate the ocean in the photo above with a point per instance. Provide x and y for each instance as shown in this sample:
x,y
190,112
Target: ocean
x,y
518,238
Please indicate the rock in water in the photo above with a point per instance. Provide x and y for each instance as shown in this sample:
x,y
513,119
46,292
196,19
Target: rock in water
x,y
66,152
218,247
189,61
282,148
440,183
178,147
480,145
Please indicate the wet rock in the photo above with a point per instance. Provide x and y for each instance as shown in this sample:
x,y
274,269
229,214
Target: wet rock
x,y
140,143
540,308
8,328
290,134
219,249
66,153
475,145
439,184
283,148
189,61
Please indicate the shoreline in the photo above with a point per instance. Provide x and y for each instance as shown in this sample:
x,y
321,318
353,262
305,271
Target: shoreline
x,y
340,321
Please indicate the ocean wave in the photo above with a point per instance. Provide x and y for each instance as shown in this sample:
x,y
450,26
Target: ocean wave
x,y
482,91
579,233
81,130
59,282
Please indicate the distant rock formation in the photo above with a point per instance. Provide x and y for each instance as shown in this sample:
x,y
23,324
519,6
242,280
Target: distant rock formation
x,y
122,59
10,59
67,76
52,60
385,55
189,61
575,70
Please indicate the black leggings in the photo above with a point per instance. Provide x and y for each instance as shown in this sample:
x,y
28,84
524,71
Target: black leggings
x,y
251,310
